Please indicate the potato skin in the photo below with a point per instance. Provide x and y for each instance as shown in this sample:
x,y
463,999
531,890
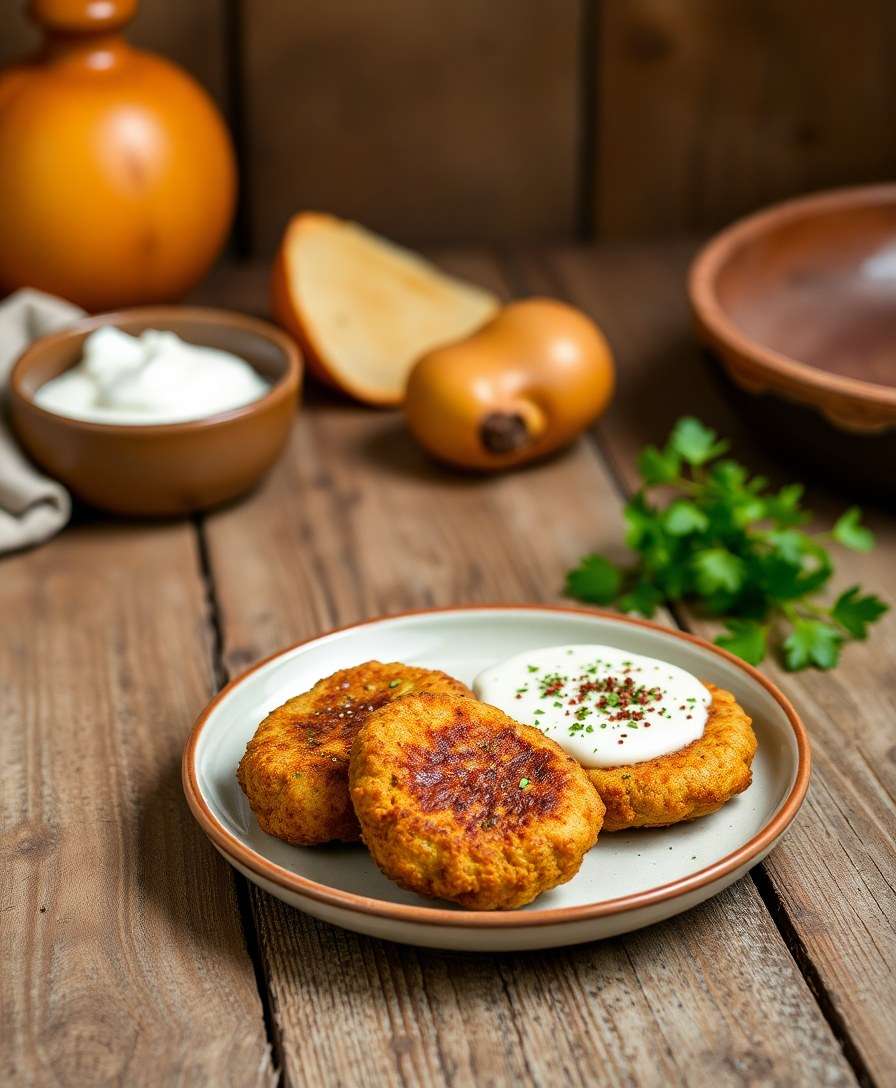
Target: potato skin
x,y
523,385
435,781
295,768
687,784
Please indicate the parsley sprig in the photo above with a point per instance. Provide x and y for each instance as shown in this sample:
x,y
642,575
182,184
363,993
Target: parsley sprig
x,y
728,541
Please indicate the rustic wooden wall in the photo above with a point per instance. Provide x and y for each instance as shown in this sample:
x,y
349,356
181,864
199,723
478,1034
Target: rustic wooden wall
x,y
710,108
431,119
440,121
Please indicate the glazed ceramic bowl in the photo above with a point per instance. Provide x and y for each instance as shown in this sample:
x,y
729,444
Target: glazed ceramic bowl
x,y
160,469
799,303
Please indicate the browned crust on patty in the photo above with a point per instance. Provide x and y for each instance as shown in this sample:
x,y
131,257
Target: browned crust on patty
x,y
458,801
295,769
687,784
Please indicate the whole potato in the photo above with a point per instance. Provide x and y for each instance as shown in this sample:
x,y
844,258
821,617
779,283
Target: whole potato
x,y
523,385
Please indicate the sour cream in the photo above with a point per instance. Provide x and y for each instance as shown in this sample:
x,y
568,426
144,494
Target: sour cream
x,y
604,706
153,378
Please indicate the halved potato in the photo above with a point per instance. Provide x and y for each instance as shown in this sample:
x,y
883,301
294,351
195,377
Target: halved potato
x,y
364,310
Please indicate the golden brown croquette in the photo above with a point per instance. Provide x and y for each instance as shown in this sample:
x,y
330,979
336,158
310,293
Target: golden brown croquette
x,y
683,785
295,769
458,801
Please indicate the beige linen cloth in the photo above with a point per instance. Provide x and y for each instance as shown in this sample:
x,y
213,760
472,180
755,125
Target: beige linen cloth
x,y
32,507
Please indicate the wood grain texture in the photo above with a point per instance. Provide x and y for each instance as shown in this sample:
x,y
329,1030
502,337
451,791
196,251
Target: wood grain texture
x,y
707,110
122,950
835,872
356,521
191,35
428,121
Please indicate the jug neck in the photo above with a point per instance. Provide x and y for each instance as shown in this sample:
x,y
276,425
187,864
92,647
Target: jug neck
x,y
82,18
83,32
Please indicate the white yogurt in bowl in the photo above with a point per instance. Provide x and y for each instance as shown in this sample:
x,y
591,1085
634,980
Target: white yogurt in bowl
x,y
153,378
604,706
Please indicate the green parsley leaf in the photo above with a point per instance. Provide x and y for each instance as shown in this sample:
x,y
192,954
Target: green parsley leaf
x,y
784,507
812,642
746,638
658,466
855,612
525,783
641,522
695,443
728,477
684,517
780,578
789,544
848,532
785,580
595,579
642,597
675,580
717,568
747,509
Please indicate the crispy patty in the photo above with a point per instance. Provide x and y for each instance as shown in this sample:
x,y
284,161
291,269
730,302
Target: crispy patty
x,y
295,769
696,780
460,802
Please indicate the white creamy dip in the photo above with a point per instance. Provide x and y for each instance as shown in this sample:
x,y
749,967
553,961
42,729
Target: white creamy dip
x,y
604,706
152,378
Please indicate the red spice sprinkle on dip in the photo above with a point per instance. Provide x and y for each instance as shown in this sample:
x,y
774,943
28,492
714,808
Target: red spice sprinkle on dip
x,y
593,699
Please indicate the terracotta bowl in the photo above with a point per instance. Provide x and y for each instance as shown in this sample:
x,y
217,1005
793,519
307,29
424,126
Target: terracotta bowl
x,y
160,469
799,303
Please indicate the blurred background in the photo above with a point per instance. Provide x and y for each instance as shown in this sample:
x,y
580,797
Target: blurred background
x,y
526,120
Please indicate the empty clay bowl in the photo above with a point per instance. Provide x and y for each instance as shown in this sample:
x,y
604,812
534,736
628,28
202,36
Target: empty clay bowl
x,y
799,303
160,469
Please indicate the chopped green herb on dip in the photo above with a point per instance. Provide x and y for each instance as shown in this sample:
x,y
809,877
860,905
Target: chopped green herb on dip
x,y
605,707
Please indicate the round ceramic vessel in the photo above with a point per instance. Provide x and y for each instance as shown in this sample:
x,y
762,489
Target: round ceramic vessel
x,y
630,879
169,468
797,302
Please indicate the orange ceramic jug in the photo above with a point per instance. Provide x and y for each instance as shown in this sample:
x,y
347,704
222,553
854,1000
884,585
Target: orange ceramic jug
x,y
117,174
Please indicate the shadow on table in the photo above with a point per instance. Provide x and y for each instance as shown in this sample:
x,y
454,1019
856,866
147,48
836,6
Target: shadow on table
x,y
188,889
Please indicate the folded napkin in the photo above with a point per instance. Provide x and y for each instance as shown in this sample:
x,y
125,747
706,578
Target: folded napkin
x,y
32,507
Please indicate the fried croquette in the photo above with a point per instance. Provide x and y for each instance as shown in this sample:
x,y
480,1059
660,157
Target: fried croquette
x,y
687,784
458,801
295,769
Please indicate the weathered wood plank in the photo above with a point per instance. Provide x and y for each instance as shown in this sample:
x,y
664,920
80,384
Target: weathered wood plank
x,y
707,110
428,122
356,521
192,35
122,951
835,871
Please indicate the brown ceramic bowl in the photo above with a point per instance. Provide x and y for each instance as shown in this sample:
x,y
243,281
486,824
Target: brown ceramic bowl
x,y
160,469
799,303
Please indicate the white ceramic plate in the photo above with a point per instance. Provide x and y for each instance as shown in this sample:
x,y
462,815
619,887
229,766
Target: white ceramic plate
x,y
628,880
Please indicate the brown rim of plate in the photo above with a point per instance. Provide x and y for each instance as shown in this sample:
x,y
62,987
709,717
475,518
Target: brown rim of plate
x,y
705,269
162,316
237,851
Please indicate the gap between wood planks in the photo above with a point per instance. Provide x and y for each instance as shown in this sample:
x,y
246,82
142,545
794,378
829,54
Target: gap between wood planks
x,y
221,676
521,285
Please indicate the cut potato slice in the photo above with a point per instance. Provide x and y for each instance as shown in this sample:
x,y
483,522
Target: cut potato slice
x,y
364,310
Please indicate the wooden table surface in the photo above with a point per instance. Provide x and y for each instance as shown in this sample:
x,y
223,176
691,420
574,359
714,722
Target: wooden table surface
x,y
132,953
